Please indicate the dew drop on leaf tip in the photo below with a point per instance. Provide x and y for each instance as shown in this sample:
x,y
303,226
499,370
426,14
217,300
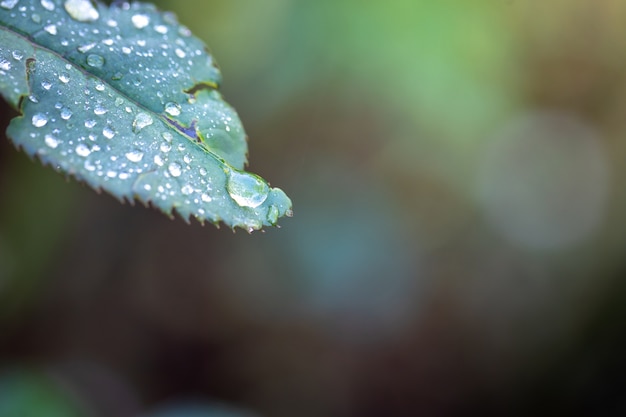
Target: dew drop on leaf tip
x,y
248,190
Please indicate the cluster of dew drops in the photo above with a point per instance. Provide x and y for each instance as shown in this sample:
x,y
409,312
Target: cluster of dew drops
x,y
247,190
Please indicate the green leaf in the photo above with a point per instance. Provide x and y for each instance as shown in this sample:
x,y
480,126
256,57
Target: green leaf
x,y
125,99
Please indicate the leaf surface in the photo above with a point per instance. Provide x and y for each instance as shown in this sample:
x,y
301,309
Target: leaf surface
x,y
125,99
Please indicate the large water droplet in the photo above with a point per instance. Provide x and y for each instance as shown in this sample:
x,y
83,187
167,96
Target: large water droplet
x,y
100,110
95,61
8,4
81,10
64,78
134,156
248,190
46,85
175,169
173,109
90,123
39,120
142,120
51,141
140,21
5,65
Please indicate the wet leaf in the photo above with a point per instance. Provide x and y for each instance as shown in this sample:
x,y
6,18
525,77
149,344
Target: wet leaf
x,y
125,99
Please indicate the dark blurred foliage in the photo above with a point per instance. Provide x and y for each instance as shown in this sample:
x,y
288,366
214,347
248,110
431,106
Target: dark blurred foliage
x,y
457,247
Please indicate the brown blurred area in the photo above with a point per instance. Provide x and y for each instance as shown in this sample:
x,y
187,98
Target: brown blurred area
x,y
457,246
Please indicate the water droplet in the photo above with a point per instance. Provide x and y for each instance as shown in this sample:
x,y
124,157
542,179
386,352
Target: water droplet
x,y
140,21
162,29
180,53
17,55
40,120
46,85
36,18
166,147
100,86
134,156
86,48
66,113
5,65
173,109
51,141
175,169
206,198
184,31
117,76
100,110
203,172
64,78
126,50
89,123
108,132
8,4
158,160
89,166
82,150
187,189
81,10
248,190
141,121
95,61
48,4
167,136
51,29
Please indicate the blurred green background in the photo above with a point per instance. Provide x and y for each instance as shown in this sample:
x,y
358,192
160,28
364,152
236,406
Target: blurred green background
x,y
457,247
